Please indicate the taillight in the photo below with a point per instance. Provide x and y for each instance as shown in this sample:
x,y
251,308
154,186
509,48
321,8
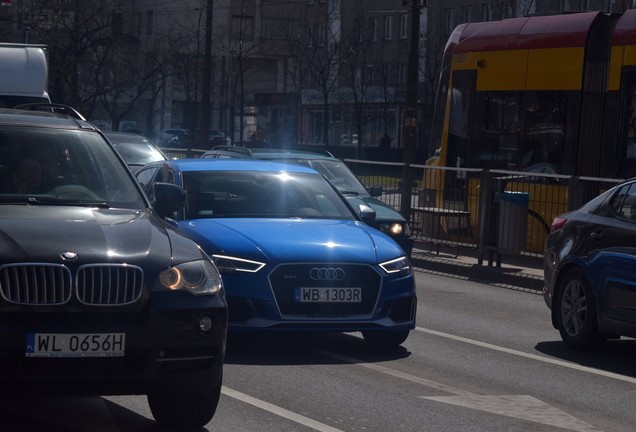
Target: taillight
x,y
558,223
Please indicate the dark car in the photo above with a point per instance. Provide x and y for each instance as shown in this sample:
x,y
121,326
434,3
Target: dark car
x,y
590,269
387,219
136,149
292,252
98,295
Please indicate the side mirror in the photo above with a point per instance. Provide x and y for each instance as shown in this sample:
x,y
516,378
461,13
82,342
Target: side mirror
x,y
366,213
375,191
168,198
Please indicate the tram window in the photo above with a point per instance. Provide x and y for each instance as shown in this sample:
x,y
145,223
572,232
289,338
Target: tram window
x,y
628,129
544,130
499,145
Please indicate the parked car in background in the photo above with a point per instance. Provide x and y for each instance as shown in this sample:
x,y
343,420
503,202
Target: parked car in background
x,y
167,134
190,140
387,219
136,150
98,295
292,252
590,269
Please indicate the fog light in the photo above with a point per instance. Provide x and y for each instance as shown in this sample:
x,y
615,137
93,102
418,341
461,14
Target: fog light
x,y
205,324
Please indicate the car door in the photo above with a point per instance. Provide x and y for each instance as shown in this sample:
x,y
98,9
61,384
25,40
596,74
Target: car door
x,y
612,236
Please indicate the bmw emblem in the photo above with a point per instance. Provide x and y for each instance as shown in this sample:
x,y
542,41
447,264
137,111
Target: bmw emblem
x,y
69,256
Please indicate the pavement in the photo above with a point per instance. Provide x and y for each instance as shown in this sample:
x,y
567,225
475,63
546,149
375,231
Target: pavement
x,y
521,272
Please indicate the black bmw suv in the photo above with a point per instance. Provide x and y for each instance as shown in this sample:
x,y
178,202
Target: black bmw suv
x,y
98,295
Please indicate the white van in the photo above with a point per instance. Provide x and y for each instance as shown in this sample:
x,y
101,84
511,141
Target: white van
x,y
23,74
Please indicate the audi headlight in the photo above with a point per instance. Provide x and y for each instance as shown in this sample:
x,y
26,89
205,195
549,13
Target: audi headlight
x,y
228,264
395,229
399,265
197,277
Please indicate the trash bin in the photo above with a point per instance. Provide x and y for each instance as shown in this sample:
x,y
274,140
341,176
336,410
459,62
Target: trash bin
x,y
513,222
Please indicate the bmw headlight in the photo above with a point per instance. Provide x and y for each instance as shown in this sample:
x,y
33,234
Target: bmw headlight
x,y
229,264
197,277
400,265
395,229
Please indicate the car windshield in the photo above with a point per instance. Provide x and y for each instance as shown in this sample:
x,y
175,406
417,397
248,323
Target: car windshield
x,y
334,170
63,167
138,153
257,194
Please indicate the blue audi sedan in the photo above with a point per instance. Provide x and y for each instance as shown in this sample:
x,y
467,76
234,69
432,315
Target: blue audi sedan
x,y
293,254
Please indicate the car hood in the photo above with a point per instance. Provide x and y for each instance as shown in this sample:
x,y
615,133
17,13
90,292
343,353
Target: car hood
x,y
292,240
43,233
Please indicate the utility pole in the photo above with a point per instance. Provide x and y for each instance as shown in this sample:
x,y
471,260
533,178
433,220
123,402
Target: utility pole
x,y
409,129
207,76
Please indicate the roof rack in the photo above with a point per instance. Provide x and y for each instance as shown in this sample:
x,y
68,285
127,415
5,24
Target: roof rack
x,y
236,149
52,107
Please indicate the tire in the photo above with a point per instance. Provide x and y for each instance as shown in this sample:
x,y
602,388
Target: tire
x,y
576,313
385,339
183,410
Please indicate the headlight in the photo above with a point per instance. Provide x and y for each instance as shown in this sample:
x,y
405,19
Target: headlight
x,y
229,264
197,277
399,265
395,229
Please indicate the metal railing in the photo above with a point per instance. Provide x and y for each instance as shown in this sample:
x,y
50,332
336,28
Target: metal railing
x,y
496,212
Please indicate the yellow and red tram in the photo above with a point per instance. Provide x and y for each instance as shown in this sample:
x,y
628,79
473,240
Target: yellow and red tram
x,y
550,94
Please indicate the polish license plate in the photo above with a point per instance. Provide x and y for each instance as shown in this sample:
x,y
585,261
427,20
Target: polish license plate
x,y
328,295
75,344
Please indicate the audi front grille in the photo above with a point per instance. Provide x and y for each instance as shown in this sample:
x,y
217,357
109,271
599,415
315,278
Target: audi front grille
x,y
285,279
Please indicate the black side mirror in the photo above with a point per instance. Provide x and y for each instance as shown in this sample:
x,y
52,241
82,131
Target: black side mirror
x,y
168,198
375,191
367,214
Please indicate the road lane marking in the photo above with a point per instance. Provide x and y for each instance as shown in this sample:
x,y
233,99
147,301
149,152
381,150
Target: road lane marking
x,y
530,356
396,373
520,407
523,407
282,412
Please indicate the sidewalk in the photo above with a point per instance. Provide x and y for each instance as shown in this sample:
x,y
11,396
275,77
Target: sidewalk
x,y
516,271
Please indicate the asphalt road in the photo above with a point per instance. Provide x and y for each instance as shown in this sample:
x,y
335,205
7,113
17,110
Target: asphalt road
x,y
483,358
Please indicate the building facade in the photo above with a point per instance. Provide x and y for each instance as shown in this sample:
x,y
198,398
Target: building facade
x,y
317,72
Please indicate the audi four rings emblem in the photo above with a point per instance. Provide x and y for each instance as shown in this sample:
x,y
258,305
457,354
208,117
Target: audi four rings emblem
x,y
327,274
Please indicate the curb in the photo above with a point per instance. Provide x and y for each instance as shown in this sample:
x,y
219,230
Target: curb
x,y
518,272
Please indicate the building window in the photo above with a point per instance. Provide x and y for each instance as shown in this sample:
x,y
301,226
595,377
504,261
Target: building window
x,y
373,29
404,26
466,12
388,27
449,24
321,36
359,30
508,10
401,78
486,14
150,22
118,23
243,27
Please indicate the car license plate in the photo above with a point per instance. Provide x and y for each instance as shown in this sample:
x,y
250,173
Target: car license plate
x,y
75,344
328,295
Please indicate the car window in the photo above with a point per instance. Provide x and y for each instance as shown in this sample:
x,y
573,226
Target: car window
x,y
63,166
624,202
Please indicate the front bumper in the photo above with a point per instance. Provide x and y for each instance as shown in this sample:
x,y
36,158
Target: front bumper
x,y
165,352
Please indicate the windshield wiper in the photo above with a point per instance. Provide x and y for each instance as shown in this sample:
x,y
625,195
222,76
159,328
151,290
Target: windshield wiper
x,y
348,192
44,201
